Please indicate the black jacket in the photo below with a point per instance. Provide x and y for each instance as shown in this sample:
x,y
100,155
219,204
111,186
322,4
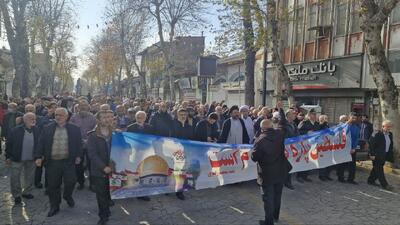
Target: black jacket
x,y
183,132
369,129
162,124
272,165
136,128
9,122
289,129
204,130
377,147
305,126
226,128
99,152
46,142
15,140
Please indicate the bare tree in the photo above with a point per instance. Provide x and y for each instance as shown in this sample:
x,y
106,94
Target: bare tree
x,y
15,20
374,14
50,17
131,23
170,15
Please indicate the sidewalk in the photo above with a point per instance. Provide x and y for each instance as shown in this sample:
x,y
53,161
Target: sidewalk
x,y
367,165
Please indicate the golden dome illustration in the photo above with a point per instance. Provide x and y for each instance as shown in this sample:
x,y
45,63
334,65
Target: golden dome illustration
x,y
153,165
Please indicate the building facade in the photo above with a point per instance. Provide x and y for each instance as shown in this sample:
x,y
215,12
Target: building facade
x,y
185,52
323,50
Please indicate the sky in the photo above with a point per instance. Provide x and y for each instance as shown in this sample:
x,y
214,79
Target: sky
x,y
91,12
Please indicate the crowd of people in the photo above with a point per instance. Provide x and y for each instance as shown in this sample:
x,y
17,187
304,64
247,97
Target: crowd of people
x,y
59,138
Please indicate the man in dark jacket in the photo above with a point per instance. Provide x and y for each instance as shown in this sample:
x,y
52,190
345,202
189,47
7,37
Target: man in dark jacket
x,y
381,150
306,126
141,127
10,119
99,151
234,130
366,130
44,121
265,114
60,146
289,129
182,130
162,122
21,142
206,130
272,168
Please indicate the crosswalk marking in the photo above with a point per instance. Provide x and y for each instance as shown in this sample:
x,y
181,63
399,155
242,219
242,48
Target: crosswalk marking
x,y
188,218
365,194
236,209
125,211
352,199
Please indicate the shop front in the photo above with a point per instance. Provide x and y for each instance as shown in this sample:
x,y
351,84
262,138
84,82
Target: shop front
x,y
333,84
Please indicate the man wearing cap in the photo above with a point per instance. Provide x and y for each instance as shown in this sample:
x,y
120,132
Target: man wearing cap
x,y
248,122
234,130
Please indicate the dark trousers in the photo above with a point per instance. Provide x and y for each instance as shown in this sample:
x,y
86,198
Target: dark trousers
x,y
324,172
288,180
378,173
271,195
80,168
101,188
38,176
303,174
350,166
58,172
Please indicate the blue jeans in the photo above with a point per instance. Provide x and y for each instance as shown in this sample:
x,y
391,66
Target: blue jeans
x,y
271,195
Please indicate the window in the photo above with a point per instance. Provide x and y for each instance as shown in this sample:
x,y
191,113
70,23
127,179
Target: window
x,y
311,22
285,34
341,19
325,14
394,61
299,26
355,18
396,14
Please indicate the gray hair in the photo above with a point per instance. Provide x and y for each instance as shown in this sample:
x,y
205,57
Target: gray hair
x,y
27,115
62,109
140,113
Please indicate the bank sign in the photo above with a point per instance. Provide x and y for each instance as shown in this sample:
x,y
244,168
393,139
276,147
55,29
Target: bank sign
x,y
333,73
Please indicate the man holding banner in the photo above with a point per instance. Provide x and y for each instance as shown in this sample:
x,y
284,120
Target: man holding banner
x,y
351,166
272,169
309,125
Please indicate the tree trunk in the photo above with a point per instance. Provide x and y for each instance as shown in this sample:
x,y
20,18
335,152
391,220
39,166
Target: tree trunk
x,y
143,89
250,51
18,40
387,90
281,72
